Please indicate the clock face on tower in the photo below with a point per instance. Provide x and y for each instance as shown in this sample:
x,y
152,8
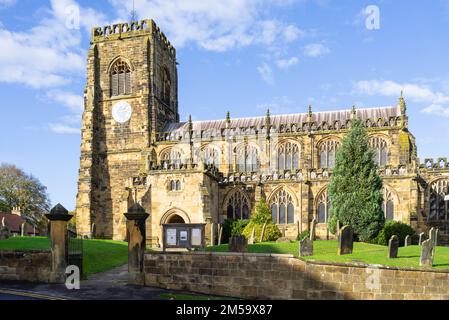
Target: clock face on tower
x,y
121,112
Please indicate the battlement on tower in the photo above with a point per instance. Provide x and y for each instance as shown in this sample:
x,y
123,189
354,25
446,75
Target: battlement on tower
x,y
129,30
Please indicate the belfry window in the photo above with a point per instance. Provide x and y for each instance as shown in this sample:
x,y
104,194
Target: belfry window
x,y
438,207
165,87
247,159
282,208
380,148
120,78
237,206
288,156
175,185
327,154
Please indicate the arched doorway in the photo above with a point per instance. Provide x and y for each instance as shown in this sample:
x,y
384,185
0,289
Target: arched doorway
x,y
175,219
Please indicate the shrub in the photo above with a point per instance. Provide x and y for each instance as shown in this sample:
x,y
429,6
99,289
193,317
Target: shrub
x,y
262,213
401,230
238,226
272,232
302,235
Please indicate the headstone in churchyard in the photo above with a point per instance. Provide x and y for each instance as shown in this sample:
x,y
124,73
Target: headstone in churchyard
x,y
283,240
305,247
338,227
22,230
238,244
345,241
421,238
427,253
393,247
408,241
262,234
312,230
220,233
432,234
437,232
251,239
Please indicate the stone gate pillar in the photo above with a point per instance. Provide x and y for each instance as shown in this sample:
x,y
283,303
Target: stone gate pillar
x,y
59,217
135,233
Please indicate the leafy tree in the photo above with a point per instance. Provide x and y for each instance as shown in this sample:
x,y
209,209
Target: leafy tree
x,y
262,213
18,189
355,190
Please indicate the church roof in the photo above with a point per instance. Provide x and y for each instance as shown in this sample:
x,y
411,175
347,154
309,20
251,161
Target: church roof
x,y
342,116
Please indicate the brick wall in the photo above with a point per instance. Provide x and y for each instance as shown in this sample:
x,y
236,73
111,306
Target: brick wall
x,y
33,266
270,276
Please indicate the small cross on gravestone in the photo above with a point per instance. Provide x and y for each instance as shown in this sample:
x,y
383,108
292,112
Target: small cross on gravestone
x,y
305,247
421,238
393,247
407,241
313,230
427,253
345,241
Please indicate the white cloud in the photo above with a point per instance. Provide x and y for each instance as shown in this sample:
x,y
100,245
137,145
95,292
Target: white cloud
x,y
315,50
63,129
439,101
216,25
49,54
266,73
287,63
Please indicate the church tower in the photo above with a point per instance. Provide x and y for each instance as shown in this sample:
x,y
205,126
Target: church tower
x,y
131,94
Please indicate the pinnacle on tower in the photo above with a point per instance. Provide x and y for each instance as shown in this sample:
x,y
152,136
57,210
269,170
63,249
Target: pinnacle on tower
x,y
402,104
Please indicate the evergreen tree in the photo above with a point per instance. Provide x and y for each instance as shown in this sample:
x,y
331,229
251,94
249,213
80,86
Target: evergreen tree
x,y
355,190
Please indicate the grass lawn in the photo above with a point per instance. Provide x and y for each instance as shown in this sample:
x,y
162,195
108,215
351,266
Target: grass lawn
x,y
363,252
99,255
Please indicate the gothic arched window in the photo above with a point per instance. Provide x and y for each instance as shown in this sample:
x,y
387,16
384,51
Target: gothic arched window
x,y
120,78
282,208
288,156
327,152
237,206
247,158
388,204
171,157
211,155
166,86
380,148
323,208
438,207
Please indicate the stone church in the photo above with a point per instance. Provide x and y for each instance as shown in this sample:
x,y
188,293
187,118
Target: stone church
x,y
135,149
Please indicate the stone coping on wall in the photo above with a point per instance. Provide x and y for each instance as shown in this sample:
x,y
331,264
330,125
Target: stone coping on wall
x,y
312,262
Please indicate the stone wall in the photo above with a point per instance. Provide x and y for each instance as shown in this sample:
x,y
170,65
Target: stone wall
x,y
271,276
33,266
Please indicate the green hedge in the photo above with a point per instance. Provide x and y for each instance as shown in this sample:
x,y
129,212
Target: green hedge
x,y
233,227
401,230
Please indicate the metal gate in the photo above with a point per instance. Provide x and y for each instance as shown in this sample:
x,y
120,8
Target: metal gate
x,y
75,250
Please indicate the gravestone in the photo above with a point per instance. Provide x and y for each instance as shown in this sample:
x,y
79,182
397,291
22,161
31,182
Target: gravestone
x,y
22,230
437,232
262,234
220,233
238,244
427,253
408,241
251,239
283,240
345,241
432,234
421,238
312,230
305,247
393,247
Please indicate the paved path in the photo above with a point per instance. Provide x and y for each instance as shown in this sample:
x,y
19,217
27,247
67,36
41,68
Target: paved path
x,y
109,285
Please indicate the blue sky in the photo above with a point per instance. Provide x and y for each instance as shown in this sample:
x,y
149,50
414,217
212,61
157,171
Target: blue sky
x,y
238,55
